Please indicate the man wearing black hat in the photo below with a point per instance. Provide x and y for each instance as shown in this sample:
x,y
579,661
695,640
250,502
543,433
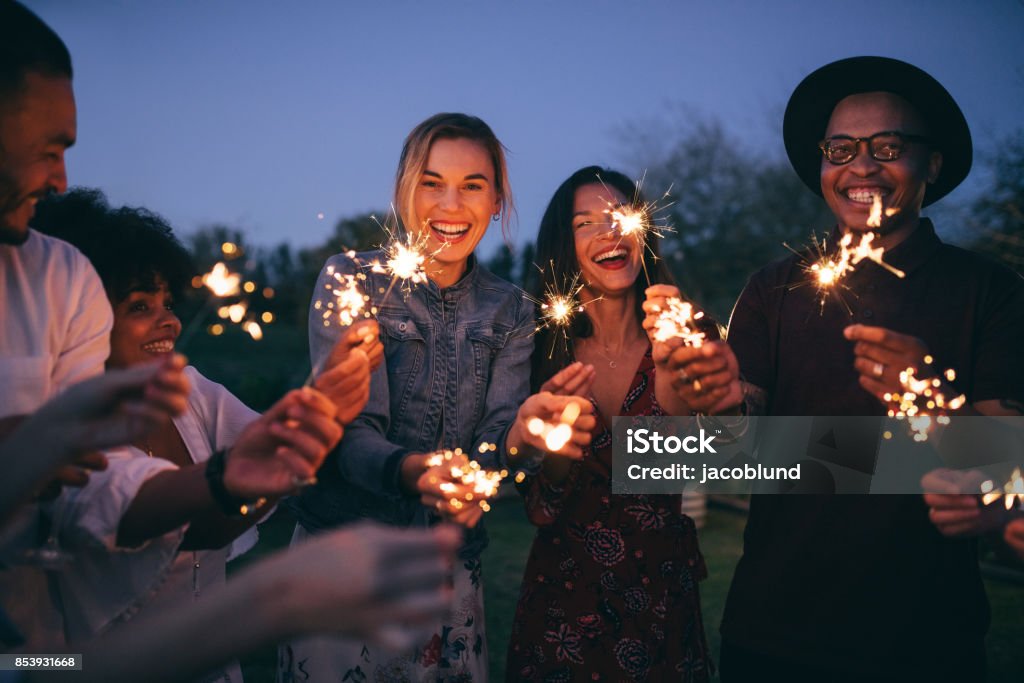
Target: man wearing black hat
x,y
851,587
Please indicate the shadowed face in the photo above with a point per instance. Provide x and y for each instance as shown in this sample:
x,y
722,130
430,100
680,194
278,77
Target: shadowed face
x,y
849,189
37,125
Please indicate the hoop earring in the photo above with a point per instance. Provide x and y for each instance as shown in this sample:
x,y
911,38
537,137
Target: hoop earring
x,y
496,217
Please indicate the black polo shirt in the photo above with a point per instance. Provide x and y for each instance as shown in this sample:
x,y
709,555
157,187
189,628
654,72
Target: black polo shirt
x,y
866,583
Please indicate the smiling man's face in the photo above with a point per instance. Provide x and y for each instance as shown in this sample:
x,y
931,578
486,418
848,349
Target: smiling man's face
x,y
37,125
849,189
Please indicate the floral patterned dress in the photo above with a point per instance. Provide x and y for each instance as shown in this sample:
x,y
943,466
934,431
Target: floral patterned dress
x,y
610,590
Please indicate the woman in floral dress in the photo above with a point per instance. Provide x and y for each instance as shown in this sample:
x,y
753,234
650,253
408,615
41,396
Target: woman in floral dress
x,y
610,590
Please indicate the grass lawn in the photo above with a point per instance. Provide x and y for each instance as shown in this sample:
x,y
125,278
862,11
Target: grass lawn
x,y
721,542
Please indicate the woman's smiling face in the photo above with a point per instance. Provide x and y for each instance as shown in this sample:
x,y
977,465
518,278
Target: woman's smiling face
x,y
609,261
454,200
145,327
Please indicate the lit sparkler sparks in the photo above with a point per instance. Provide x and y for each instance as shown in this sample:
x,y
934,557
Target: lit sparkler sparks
x,y
559,306
920,400
555,435
404,260
221,281
828,271
676,321
469,473
348,302
875,217
643,220
1011,492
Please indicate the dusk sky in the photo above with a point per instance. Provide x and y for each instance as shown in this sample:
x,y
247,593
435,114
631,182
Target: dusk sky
x,y
262,115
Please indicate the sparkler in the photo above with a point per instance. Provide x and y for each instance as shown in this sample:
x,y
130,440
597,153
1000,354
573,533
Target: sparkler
x,y
559,306
404,260
467,472
222,283
676,321
558,434
347,303
644,221
1011,492
921,399
828,271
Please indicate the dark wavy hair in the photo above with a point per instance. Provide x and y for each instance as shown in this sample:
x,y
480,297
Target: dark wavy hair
x,y
27,44
131,248
556,255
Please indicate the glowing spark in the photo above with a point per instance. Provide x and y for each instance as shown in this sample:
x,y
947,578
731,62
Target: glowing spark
x,y
555,435
236,312
828,271
254,330
676,322
348,302
643,221
559,306
221,281
920,400
483,483
875,217
1012,491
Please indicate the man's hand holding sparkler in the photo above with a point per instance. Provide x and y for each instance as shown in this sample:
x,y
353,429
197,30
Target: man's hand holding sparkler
x,y
954,513
346,377
881,355
285,445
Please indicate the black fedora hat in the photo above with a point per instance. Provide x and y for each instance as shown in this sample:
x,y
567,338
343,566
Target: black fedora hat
x,y
811,105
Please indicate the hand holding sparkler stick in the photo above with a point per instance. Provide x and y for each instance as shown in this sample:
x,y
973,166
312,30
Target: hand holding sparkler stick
x,y
886,360
458,487
955,513
285,445
553,424
347,369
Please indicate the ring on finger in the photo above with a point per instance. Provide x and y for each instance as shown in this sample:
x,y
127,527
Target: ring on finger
x,y
697,386
877,369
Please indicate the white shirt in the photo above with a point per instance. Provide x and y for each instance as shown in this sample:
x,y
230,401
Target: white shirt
x,y
56,322
55,325
107,585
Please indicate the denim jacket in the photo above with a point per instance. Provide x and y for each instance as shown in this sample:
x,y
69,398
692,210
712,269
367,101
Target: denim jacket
x,y
455,372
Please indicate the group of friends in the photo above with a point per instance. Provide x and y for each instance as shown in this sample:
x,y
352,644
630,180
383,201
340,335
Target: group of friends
x,y
149,477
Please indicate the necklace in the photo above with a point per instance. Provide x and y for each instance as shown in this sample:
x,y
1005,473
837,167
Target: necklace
x,y
612,360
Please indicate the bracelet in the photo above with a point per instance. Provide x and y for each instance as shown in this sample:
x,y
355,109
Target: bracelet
x,y
230,505
742,421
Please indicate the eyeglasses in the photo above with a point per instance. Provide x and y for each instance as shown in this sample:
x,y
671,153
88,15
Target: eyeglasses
x,y
885,146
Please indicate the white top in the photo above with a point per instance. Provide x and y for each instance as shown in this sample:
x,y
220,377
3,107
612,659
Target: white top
x,y
54,332
56,322
107,585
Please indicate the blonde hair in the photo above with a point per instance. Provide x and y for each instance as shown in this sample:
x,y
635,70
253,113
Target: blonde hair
x,y
416,151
